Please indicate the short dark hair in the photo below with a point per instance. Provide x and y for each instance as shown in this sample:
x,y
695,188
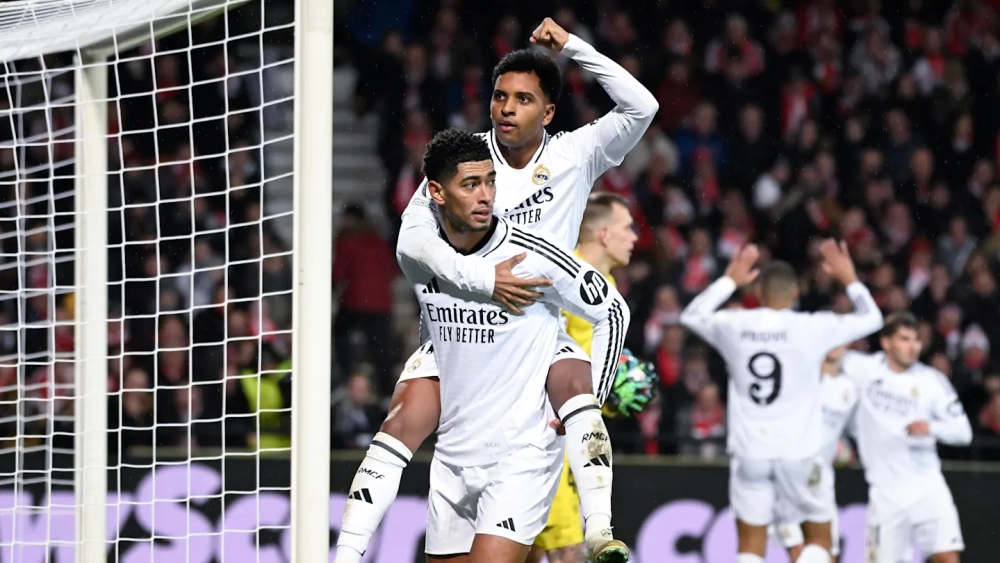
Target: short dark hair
x,y
778,278
448,149
897,321
533,62
599,207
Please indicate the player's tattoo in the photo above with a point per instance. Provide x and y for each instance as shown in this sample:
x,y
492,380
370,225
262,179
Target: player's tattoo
x,y
572,554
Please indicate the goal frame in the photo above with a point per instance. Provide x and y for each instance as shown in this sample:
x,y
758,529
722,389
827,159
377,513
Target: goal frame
x,y
312,258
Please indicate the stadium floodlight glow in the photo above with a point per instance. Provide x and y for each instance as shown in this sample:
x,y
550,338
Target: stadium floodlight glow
x,y
156,226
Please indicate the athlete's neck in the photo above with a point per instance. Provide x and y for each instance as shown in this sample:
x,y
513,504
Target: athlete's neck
x,y
893,366
462,238
594,255
830,368
779,304
520,157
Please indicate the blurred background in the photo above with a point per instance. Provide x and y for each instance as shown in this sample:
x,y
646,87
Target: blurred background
x,y
780,122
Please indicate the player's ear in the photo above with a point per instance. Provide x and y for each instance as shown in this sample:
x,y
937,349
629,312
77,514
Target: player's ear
x,y
550,112
437,192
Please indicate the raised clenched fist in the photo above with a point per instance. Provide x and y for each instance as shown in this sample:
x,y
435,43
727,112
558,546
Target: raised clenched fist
x,y
550,35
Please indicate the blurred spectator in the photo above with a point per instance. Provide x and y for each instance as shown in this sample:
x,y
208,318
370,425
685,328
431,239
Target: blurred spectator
x,y
363,273
357,416
703,425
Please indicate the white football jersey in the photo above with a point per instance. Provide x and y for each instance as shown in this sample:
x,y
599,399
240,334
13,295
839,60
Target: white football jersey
x,y
773,358
840,397
550,194
493,365
894,461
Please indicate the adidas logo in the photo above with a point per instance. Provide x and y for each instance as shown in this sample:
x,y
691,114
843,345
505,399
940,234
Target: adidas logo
x,y
507,524
431,287
601,460
362,495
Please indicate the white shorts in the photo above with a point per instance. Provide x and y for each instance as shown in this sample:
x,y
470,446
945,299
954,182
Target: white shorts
x,y
422,363
789,533
510,498
930,522
762,492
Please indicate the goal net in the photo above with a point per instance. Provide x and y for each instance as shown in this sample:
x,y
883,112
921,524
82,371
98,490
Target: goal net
x,y
149,227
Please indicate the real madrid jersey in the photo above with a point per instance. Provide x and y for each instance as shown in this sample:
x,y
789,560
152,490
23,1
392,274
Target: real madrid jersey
x,y
579,329
887,403
773,358
839,399
493,365
550,193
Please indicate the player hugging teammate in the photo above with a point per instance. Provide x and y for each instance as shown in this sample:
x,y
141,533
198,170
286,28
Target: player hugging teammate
x,y
554,175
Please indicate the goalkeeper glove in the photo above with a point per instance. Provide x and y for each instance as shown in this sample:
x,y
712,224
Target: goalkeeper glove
x,y
634,387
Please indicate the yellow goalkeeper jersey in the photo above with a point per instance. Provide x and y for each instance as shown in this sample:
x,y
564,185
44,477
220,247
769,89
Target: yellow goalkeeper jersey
x,y
578,329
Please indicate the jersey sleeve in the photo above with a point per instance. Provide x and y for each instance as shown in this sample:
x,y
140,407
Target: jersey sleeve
x,y
949,423
702,317
607,140
420,243
581,290
839,330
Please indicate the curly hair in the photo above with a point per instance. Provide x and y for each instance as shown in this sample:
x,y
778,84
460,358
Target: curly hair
x,y
448,149
534,62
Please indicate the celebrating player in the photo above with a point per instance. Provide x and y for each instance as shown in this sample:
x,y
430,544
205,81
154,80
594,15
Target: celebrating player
x,y
496,462
839,401
545,182
775,405
904,409
606,240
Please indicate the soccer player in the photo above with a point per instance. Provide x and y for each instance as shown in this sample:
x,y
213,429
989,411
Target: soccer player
x,y
497,463
607,237
544,182
839,400
905,408
775,406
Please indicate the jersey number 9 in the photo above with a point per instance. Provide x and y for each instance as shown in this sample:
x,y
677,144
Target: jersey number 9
x,y
764,366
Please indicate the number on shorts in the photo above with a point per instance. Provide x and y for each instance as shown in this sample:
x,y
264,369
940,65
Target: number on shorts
x,y
774,376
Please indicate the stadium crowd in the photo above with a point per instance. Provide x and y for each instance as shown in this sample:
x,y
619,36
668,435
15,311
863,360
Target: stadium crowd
x,y
199,283
779,123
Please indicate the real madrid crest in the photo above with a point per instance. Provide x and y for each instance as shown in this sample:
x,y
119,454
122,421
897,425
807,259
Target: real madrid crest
x,y
540,175
413,366
914,392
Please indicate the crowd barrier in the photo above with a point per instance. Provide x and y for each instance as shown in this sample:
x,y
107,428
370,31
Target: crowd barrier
x,y
668,511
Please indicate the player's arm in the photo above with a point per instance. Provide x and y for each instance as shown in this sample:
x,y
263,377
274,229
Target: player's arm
x,y
866,317
420,242
949,423
701,315
616,133
580,289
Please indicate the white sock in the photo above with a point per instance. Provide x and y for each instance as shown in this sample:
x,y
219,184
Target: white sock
x,y
374,489
813,553
749,558
589,450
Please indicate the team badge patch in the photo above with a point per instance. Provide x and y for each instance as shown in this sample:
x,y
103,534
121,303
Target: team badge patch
x,y
413,366
540,175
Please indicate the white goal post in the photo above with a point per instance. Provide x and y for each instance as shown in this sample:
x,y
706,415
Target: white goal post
x,y
94,31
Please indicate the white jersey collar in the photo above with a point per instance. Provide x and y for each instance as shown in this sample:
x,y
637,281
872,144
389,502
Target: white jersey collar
x,y
495,147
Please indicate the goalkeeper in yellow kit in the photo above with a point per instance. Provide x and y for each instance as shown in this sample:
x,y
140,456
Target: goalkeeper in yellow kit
x,y
606,239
